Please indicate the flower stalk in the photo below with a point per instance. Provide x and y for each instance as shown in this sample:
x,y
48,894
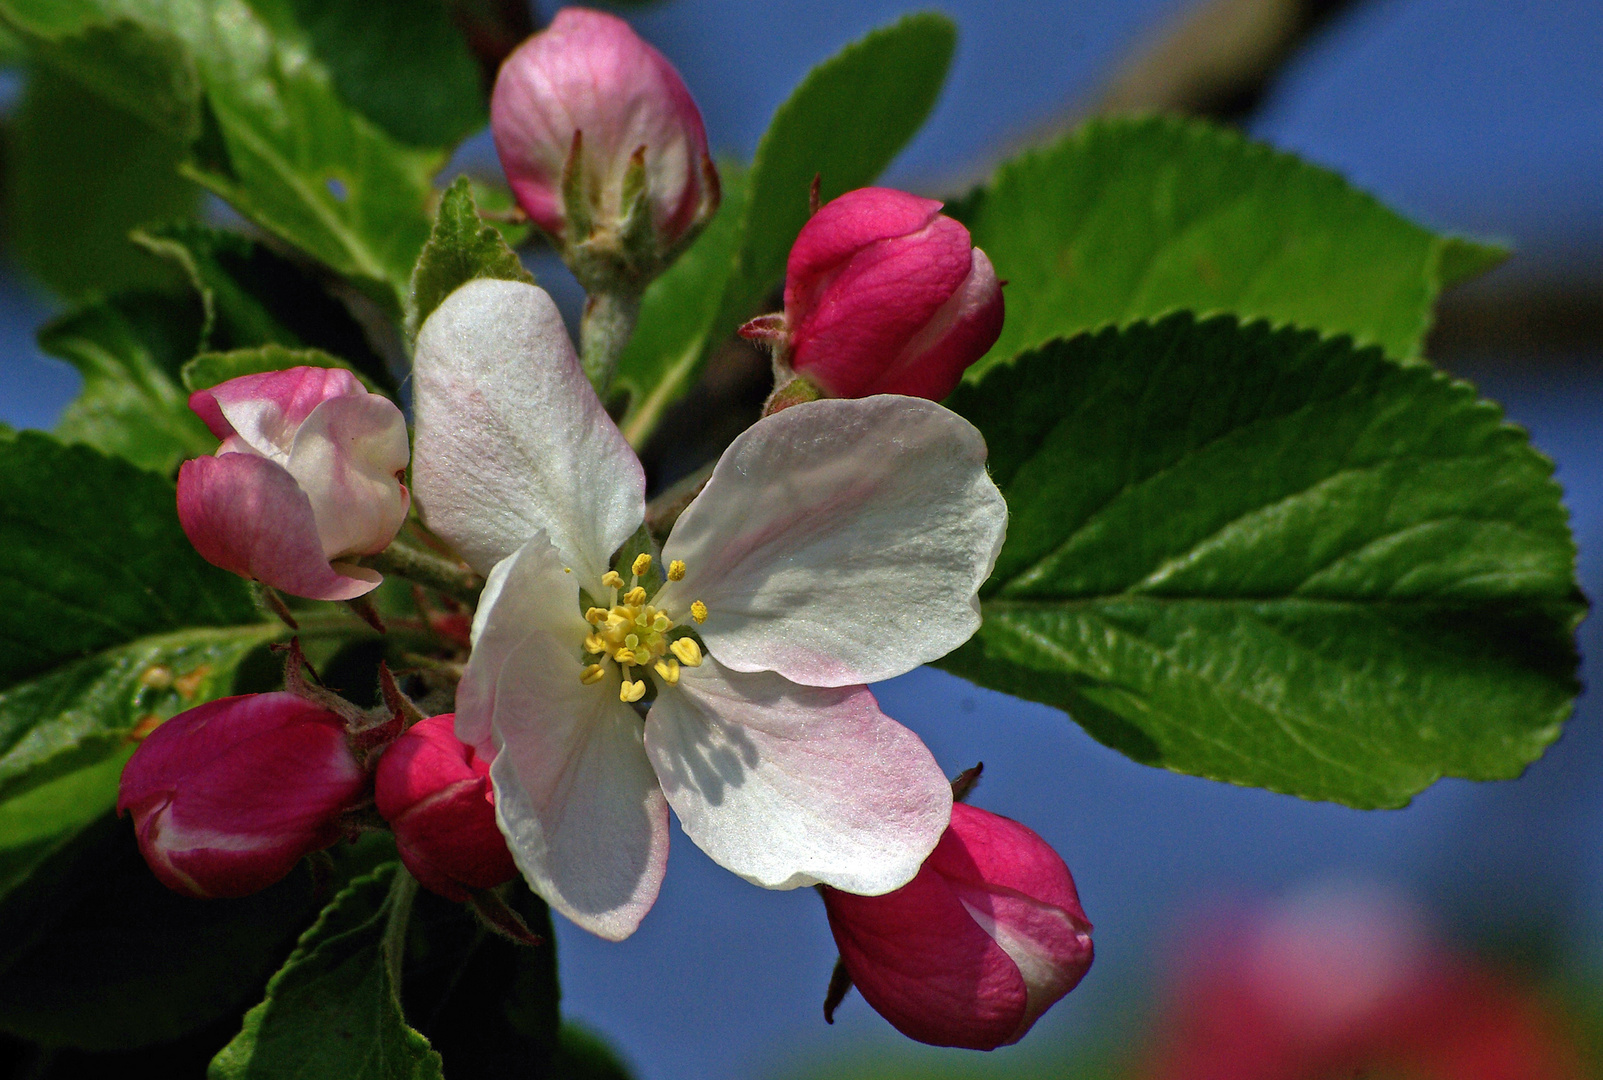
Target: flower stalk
x,y
604,332
423,566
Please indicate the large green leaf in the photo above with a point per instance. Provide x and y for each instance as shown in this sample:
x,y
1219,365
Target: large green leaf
x,y
1265,557
1130,219
334,1010
845,122
461,247
210,368
92,557
80,173
130,350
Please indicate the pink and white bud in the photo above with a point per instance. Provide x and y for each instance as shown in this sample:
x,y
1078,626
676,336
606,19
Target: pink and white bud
x,y
590,75
309,475
435,792
228,796
985,938
885,295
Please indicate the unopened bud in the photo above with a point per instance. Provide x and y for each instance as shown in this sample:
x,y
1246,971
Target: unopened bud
x,y
227,797
308,476
986,937
603,146
435,792
884,295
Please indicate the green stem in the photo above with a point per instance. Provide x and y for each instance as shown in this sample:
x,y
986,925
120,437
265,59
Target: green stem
x,y
427,568
403,887
608,323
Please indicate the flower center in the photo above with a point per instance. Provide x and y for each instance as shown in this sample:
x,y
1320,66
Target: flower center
x,y
633,633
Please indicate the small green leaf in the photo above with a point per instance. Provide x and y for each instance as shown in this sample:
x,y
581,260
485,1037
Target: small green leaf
x,y
129,350
1458,260
1130,219
845,122
332,1010
210,368
255,296
92,557
461,247
68,223
1260,556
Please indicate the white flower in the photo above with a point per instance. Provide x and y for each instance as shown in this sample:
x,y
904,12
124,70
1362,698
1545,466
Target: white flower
x,y
837,543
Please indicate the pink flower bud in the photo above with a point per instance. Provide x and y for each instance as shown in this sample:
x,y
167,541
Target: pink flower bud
x,y
590,75
886,295
229,796
309,474
977,946
435,792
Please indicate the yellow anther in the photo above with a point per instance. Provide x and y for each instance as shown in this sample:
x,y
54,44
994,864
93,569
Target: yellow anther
x,y
698,611
676,570
624,656
592,674
612,579
688,652
669,670
631,691
642,563
595,643
596,616
567,569
635,596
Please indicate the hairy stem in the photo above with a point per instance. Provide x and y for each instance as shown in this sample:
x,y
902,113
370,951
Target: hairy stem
x,y
427,568
608,323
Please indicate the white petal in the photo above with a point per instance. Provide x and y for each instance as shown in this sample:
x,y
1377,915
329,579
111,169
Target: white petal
x,y
791,785
580,806
841,542
346,457
510,436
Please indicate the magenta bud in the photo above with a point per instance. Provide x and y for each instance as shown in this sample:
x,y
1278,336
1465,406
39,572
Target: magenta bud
x,y
228,796
590,75
308,476
886,295
984,939
435,792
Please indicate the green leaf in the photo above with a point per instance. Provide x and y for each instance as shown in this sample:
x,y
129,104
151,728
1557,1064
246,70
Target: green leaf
x,y
1130,219
254,296
100,956
332,1010
92,557
461,247
129,350
208,369
678,314
36,825
1458,260
67,221
845,122
1260,556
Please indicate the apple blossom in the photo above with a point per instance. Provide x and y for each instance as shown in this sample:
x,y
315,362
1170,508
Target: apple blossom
x,y
309,476
228,796
835,544
975,948
884,295
434,790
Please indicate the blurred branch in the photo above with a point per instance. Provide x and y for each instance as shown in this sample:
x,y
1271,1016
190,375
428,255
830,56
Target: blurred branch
x,y
1491,324
493,28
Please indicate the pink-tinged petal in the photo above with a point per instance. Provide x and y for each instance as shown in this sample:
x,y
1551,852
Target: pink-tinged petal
x,y
841,542
841,228
510,437
882,298
247,515
264,410
962,331
791,785
919,958
575,796
996,850
589,72
1051,948
346,457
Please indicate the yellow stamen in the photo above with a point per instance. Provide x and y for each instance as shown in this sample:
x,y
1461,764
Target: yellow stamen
x,y
625,656
631,691
592,674
688,652
642,563
635,596
612,579
676,570
596,616
698,611
595,643
567,569
669,670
